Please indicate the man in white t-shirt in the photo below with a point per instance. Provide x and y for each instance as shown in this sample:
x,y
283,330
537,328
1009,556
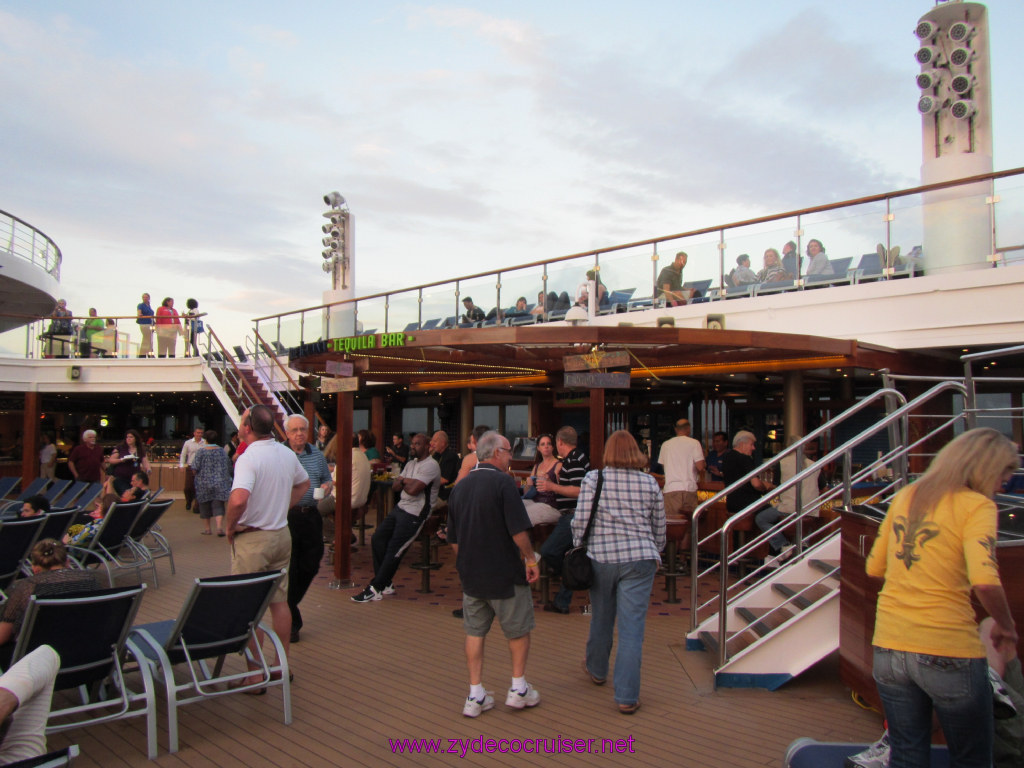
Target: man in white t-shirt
x,y
269,480
682,458
47,457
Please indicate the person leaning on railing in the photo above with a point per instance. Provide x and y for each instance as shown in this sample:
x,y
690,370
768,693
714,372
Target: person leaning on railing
x,y
937,545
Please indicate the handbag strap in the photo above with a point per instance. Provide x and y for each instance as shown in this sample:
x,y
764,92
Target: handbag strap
x,y
593,508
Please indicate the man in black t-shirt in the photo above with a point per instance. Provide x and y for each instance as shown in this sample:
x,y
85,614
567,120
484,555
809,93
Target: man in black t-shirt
x,y
737,463
448,461
488,530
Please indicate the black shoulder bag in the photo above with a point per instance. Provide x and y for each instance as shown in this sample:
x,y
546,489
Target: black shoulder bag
x,y
577,570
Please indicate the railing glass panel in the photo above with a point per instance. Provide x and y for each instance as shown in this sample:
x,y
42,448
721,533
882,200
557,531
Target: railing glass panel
x,y
1009,217
703,260
484,293
439,306
906,231
564,280
291,331
847,234
629,271
403,311
371,316
754,240
526,283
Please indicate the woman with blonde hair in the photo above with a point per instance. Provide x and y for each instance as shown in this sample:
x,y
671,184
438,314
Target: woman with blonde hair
x,y
935,546
773,271
625,544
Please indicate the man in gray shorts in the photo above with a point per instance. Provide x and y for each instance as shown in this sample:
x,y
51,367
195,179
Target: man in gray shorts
x,y
487,528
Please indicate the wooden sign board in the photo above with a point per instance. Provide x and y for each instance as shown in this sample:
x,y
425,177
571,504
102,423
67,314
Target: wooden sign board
x,y
327,386
586,363
338,368
618,380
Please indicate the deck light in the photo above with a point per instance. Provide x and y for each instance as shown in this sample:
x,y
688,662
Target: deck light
x,y
961,57
930,55
963,109
334,199
930,78
961,32
928,104
926,30
962,84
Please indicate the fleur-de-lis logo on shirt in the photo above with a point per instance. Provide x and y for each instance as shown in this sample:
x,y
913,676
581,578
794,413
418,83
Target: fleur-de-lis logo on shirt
x,y
911,538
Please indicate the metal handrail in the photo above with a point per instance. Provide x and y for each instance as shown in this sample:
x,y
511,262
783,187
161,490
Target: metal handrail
x,y
287,394
696,541
242,386
38,244
596,253
898,417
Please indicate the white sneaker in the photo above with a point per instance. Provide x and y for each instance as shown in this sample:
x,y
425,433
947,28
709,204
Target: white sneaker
x,y
367,595
528,698
474,708
875,756
388,590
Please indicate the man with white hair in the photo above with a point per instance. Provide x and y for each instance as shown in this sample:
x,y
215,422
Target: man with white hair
x,y
737,463
304,520
488,529
86,459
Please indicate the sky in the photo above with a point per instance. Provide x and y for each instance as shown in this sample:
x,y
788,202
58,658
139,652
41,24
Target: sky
x,y
183,149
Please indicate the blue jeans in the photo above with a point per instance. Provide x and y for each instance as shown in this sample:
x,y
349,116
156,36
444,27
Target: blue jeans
x,y
621,592
913,684
553,551
765,519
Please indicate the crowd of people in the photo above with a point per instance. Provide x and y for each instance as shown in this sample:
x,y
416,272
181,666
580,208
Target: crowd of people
x,y
98,337
270,500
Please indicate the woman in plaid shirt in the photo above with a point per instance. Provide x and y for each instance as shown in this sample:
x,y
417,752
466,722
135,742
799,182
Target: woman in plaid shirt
x,y
625,545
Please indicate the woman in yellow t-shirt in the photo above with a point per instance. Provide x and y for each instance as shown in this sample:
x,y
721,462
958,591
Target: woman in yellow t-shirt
x,y
937,544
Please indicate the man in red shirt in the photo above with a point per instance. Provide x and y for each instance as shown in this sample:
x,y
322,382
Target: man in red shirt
x,y
86,459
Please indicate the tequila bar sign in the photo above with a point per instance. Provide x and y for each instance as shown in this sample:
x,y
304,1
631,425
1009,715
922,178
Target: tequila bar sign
x,y
369,341
597,380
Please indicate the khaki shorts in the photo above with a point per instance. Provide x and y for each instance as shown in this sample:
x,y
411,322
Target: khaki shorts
x,y
256,551
678,503
515,614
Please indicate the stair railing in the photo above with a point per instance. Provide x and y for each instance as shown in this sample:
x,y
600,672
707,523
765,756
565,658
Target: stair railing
x,y
286,396
228,373
697,542
843,452
777,610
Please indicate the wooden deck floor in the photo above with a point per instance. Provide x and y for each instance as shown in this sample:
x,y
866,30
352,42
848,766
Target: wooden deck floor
x,y
367,674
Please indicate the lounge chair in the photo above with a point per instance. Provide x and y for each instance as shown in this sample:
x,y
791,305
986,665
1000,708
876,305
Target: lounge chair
x,y
57,487
8,484
147,539
16,540
69,494
88,659
109,546
220,617
57,759
34,488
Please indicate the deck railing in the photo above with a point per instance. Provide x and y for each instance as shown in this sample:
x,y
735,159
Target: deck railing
x,y
873,238
891,468
21,239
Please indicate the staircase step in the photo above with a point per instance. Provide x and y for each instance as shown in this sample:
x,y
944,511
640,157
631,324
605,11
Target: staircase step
x,y
831,567
761,622
808,598
737,641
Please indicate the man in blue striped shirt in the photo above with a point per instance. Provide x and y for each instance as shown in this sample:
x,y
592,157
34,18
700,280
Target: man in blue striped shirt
x,y
304,520
570,477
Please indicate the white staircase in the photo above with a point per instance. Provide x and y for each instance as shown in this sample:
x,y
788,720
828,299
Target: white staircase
x,y
781,625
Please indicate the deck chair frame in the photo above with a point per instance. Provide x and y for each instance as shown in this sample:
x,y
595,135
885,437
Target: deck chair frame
x,y
92,662
164,646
